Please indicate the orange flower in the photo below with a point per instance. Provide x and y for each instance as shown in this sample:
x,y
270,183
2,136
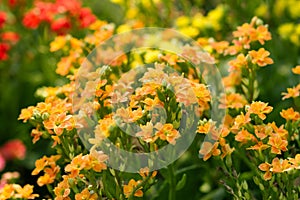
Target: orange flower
x,y
96,161
290,114
233,100
62,190
239,121
146,132
259,108
102,129
208,149
128,189
36,134
78,163
24,192
238,63
26,113
226,150
151,103
59,122
277,144
292,92
167,132
279,166
279,130
40,164
262,131
172,59
296,70
204,128
128,115
7,192
202,94
260,57
233,79
49,176
266,168
243,33
261,35
220,47
295,161
244,136
259,146
86,195
144,172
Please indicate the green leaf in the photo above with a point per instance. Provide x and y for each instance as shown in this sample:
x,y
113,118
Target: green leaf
x,y
181,183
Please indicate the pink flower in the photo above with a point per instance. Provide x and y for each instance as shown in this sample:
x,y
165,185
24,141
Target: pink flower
x,y
2,162
13,149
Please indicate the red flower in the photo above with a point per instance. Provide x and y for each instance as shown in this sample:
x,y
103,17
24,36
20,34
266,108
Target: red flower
x,y
12,3
61,25
71,5
10,37
3,51
86,17
31,20
13,149
2,18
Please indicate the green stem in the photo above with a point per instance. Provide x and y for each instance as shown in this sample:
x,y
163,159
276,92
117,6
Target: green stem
x,y
172,182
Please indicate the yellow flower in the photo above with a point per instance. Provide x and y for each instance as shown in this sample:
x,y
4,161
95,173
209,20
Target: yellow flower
x,y
198,21
132,13
123,28
182,21
58,43
262,10
189,31
294,8
151,56
296,70
97,25
285,30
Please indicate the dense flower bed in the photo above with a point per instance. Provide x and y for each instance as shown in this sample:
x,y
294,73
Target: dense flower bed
x,y
239,149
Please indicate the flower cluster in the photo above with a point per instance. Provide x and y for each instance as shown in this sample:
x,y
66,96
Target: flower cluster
x,y
114,97
7,38
59,15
